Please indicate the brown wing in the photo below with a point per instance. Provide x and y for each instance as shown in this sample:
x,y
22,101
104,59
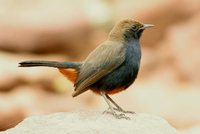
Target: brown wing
x,y
103,60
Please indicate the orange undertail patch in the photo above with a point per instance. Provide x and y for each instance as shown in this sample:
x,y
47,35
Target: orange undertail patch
x,y
70,73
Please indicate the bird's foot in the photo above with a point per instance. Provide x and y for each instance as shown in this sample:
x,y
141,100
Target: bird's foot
x,y
123,111
118,116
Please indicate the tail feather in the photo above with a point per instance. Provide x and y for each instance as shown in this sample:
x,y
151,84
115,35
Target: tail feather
x,y
75,65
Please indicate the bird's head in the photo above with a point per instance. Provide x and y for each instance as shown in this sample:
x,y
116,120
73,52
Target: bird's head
x,y
128,29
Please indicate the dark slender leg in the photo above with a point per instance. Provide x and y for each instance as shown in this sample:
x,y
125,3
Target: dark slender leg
x,y
118,108
118,116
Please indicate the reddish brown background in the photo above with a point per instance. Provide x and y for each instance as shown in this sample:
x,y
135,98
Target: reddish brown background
x,y
169,80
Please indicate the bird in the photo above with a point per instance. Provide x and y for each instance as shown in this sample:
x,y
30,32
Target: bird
x,y
109,69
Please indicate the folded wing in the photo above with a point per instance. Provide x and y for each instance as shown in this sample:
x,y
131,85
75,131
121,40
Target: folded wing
x,y
103,60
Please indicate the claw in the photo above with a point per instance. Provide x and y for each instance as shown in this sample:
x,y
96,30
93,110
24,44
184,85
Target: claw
x,y
128,112
123,111
120,116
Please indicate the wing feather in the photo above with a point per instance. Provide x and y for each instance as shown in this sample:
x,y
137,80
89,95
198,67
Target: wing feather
x,y
103,60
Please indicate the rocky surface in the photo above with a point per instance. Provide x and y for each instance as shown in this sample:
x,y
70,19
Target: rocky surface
x,y
92,123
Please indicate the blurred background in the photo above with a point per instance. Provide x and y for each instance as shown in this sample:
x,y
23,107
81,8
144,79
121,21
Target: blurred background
x,y
67,30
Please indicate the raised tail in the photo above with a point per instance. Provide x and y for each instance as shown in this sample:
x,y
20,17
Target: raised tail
x,y
75,65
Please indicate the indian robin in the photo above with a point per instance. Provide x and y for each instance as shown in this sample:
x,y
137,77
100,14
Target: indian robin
x,y
110,68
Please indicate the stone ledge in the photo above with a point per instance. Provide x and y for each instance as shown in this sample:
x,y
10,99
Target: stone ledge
x,y
90,122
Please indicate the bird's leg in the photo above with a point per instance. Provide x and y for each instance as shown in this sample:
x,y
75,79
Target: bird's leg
x,y
110,108
118,116
118,108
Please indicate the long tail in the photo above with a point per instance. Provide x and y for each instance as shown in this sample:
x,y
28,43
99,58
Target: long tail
x,y
68,69
75,65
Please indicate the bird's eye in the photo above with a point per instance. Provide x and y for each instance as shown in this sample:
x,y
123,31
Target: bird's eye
x,y
134,28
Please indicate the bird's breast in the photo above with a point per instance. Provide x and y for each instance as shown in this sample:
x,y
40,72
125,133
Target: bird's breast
x,y
132,62
133,56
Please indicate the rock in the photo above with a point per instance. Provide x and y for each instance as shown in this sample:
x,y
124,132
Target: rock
x,y
18,76
62,27
91,123
10,114
193,130
24,101
166,100
184,43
